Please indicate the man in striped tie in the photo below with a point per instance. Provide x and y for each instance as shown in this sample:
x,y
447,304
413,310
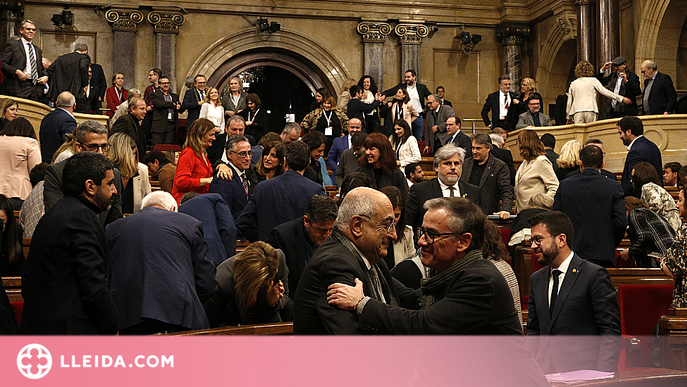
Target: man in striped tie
x,y
22,65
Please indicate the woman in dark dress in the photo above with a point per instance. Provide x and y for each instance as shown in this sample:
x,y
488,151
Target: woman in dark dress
x,y
255,116
316,143
369,86
12,262
379,163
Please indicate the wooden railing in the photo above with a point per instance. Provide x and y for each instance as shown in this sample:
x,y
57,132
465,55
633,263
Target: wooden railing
x,y
285,328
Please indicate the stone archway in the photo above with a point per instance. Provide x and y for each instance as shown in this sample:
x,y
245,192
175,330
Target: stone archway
x,y
659,33
309,60
558,51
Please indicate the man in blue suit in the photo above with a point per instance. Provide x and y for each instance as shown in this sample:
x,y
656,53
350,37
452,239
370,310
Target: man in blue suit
x,y
160,271
219,229
280,199
236,191
631,132
56,125
570,298
340,144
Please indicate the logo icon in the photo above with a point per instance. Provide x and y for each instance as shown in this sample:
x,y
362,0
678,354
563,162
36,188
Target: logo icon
x,y
34,361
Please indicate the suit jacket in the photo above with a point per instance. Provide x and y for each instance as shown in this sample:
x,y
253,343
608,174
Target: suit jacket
x,y
630,90
292,238
69,72
339,145
586,305
421,192
160,108
642,150
408,113
333,262
494,185
347,165
436,140
13,58
53,132
130,125
276,201
507,157
52,193
357,109
99,84
397,179
113,101
422,91
462,140
493,104
662,96
229,105
66,289
190,103
232,192
160,269
219,230
526,119
596,207
605,173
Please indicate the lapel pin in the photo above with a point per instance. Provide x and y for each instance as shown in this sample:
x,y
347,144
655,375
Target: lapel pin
x,y
574,270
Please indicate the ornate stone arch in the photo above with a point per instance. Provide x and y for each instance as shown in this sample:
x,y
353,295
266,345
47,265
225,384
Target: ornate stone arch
x,y
652,15
564,30
659,34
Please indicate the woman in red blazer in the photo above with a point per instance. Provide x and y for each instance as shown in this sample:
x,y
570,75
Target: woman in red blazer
x,y
116,94
194,171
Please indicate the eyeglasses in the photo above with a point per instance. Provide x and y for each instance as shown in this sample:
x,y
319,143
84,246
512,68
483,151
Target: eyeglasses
x,y
96,147
164,83
431,236
244,154
388,228
539,239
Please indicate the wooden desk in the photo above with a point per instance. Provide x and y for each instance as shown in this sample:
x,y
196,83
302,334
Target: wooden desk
x,y
13,288
652,377
285,328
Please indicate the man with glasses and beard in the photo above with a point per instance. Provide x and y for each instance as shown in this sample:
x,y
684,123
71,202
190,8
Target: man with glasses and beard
x,y
570,297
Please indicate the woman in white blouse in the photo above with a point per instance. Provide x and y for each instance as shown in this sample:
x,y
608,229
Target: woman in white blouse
x,y
212,110
405,144
583,93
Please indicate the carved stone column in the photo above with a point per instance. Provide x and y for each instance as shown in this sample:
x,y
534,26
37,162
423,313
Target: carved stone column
x,y
512,37
608,38
166,26
124,24
374,35
410,35
11,12
586,31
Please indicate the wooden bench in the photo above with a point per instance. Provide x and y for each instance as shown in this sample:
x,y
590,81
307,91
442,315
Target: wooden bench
x,y
284,328
13,288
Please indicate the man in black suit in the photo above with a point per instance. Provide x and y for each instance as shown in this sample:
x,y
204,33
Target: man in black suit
x,y
456,136
491,176
300,238
448,164
99,84
596,207
437,116
236,191
620,81
69,72
166,111
56,125
357,108
161,272
193,99
440,92
349,158
502,154
631,131
418,93
570,297
131,124
66,286
24,76
500,102
363,231
606,173
660,96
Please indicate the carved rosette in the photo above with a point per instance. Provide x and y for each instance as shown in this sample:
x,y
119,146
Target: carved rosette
x,y
374,32
124,20
166,22
411,33
512,34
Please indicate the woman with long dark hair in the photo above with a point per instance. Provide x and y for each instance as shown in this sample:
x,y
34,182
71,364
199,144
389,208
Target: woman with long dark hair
x,y
255,116
369,86
403,247
405,144
379,164
8,111
12,253
399,108
316,143
647,184
674,263
271,163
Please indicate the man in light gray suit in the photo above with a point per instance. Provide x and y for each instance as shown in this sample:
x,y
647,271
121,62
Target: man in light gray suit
x,y
533,116
436,121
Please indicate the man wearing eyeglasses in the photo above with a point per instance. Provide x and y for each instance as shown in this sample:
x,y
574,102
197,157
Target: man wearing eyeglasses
x,y
236,191
570,297
465,294
91,136
533,116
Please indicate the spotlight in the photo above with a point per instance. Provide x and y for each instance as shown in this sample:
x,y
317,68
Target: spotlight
x,y
274,27
263,25
467,42
464,37
476,38
66,18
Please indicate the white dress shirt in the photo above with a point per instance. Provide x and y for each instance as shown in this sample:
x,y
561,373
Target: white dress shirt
x,y
564,269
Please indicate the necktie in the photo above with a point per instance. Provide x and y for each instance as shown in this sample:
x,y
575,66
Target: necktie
x,y
452,191
376,284
554,291
34,68
505,99
450,140
244,180
202,95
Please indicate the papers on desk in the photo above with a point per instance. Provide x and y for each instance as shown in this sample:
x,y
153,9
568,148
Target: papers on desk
x,y
576,376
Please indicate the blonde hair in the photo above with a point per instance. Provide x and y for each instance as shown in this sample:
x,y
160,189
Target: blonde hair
x,y
584,69
207,96
529,82
67,145
121,153
570,154
195,134
254,268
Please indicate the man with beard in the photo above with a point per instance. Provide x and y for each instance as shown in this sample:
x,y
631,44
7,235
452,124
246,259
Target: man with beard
x,y
572,297
640,148
66,286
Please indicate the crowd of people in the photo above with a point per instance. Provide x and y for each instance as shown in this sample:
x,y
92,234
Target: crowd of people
x,y
398,254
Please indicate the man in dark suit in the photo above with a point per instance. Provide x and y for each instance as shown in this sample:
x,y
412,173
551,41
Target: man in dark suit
x,y
280,199
219,229
300,238
340,144
440,92
166,111
357,108
491,176
99,84
161,272
448,164
362,234
69,72
22,65
236,191
193,99
349,158
131,124
570,297
456,136
56,125
500,102
596,207
66,286
437,114
606,173
620,81
418,94
660,96
631,131
504,155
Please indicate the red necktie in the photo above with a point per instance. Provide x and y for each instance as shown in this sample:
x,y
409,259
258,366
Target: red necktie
x,y
505,97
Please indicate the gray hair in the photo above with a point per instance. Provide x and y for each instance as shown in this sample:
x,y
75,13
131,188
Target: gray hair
x,y
233,140
496,139
237,79
65,100
436,96
651,64
290,127
133,92
160,199
236,117
86,127
463,216
81,47
482,139
352,205
25,22
446,152
541,200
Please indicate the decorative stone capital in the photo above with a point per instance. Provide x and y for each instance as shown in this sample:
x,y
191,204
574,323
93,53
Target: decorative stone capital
x,y
166,22
373,32
124,19
512,34
411,33
12,10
